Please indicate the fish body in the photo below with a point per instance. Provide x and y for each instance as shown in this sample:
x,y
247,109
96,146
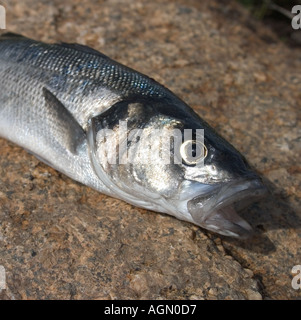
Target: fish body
x,y
74,108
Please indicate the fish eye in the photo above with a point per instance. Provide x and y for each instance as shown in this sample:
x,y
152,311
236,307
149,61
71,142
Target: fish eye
x,y
193,151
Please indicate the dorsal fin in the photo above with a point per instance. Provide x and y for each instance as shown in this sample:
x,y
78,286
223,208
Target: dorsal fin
x,y
83,48
74,46
13,35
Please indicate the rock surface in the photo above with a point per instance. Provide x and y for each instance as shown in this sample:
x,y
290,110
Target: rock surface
x,y
62,240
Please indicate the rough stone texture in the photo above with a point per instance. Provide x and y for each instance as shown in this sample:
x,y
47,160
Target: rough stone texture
x,y
59,239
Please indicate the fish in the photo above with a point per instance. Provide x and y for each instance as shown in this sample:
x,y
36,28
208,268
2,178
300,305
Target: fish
x,y
122,133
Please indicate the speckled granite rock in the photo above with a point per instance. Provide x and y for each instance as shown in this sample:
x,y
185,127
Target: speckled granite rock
x,y
59,239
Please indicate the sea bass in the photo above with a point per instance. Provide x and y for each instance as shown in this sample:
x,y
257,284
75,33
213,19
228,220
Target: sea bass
x,y
95,120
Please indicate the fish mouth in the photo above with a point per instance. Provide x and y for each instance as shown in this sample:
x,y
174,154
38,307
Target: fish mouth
x,y
217,210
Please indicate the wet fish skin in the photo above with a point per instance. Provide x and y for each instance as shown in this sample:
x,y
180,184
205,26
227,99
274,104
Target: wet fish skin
x,y
84,81
56,98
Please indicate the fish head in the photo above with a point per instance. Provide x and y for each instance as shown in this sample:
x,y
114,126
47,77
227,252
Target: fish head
x,y
162,156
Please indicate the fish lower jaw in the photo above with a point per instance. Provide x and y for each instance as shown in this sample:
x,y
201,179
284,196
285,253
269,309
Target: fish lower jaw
x,y
227,222
217,211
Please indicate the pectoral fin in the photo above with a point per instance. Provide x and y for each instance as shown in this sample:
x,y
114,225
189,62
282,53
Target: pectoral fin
x,y
62,125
